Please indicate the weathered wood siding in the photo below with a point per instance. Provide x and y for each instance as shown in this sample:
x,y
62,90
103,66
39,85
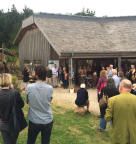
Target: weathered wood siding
x,y
34,46
53,54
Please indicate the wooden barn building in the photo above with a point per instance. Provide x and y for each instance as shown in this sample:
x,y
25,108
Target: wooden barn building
x,y
43,37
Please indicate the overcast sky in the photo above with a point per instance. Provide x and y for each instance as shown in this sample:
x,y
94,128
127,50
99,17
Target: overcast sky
x,y
101,7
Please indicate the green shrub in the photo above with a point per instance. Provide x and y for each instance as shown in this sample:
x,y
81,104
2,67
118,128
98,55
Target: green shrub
x,y
14,79
18,89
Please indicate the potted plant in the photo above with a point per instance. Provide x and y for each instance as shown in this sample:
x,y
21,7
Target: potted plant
x,y
71,89
75,90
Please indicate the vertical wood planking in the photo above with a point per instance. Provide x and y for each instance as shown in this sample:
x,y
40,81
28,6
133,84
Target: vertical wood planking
x,y
34,46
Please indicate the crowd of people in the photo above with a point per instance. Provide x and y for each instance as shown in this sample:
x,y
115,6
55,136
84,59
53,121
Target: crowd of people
x,y
59,75
121,108
84,74
120,111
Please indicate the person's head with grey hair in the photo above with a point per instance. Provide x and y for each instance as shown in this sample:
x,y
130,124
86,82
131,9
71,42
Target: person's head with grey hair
x,y
110,83
125,86
114,72
48,68
120,74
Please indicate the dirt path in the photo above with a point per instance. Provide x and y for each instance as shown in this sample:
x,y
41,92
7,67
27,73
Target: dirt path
x,y
62,97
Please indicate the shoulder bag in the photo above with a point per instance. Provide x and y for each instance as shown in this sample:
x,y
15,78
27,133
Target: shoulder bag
x,y
104,100
17,121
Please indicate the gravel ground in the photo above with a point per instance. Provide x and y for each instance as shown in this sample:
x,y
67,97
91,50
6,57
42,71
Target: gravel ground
x,y
64,98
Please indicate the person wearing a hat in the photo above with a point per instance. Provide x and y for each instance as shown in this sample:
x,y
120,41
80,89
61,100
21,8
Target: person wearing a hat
x,y
82,97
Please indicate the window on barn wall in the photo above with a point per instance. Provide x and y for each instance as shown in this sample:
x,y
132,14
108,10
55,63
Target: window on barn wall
x,y
37,62
26,62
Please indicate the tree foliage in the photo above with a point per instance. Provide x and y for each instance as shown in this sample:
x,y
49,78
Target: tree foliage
x,y
11,20
86,12
10,23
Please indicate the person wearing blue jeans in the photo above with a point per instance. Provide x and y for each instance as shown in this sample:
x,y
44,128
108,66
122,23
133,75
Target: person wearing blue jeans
x,y
110,90
103,124
39,96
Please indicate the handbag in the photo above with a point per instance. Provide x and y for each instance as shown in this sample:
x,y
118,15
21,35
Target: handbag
x,y
17,121
104,100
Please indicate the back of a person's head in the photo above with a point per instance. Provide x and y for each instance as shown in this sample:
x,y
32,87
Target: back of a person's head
x,y
126,84
2,68
114,71
5,80
40,71
82,86
103,73
110,83
121,75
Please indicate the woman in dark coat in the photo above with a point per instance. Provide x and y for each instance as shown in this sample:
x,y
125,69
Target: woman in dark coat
x,y
26,76
60,71
6,107
110,90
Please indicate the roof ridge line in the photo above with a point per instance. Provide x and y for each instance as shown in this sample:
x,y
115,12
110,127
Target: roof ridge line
x,y
95,17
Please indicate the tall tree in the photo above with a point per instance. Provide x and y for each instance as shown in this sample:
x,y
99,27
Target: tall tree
x,y
10,23
86,12
27,12
1,27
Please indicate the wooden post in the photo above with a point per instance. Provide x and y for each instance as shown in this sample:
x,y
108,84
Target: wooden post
x,y
119,63
70,71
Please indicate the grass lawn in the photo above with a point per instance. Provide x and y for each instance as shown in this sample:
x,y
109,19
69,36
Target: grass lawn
x,y
69,128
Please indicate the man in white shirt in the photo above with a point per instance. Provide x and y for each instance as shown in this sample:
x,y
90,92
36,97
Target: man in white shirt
x,y
115,77
55,75
110,71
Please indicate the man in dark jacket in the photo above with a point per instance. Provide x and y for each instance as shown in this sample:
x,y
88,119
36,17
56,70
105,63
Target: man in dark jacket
x,y
82,97
49,76
26,76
